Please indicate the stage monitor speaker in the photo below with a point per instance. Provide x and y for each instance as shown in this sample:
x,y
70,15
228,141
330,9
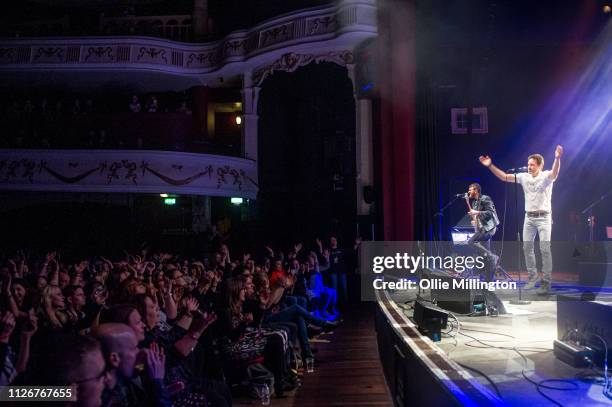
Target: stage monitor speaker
x,y
465,301
579,321
430,319
595,264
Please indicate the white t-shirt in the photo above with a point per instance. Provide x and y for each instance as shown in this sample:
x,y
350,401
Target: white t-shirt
x,y
538,191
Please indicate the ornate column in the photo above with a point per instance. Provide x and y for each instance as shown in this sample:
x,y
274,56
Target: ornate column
x,y
200,19
364,158
250,97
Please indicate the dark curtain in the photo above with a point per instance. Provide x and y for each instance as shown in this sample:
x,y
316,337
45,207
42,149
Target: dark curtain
x,y
427,164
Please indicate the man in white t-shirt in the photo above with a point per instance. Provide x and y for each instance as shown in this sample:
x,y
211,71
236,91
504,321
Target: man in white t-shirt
x,y
537,186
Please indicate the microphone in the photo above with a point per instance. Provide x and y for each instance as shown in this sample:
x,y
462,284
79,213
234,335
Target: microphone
x,y
461,195
518,169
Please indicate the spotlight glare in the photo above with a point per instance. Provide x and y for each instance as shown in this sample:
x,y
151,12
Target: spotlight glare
x,y
607,9
238,120
163,195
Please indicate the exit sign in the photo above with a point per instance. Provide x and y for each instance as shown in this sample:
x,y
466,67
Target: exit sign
x,y
169,201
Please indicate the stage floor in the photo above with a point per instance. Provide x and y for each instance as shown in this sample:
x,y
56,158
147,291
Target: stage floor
x,y
487,343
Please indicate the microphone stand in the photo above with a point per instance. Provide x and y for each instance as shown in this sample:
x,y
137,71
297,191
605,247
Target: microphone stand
x,y
589,210
520,300
441,214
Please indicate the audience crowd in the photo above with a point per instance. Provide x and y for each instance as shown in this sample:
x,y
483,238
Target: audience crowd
x,y
160,329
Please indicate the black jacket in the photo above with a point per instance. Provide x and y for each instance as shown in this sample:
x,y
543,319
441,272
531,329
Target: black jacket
x,y
488,218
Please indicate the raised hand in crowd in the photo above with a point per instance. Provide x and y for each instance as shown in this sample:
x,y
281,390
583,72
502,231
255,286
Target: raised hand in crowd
x,y
319,244
326,255
201,321
28,331
12,266
191,304
7,325
7,292
156,361
168,298
270,251
81,266
107,261
50,256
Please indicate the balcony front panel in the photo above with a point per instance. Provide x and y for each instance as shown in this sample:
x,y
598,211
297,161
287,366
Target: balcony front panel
x,y
354,20
127,171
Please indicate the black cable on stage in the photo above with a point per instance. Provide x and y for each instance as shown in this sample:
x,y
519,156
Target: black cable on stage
x,y
606,390
483,375
489,332
452,328
538,385
469,367
542,383
487,345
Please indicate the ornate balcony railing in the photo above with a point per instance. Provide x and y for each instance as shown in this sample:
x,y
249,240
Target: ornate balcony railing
x,y
354,20
127,171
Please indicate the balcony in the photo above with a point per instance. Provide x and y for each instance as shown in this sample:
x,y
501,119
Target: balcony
x,y
331,31
159,131
127,171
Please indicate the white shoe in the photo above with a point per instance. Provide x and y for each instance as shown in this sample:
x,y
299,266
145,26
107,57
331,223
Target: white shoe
x,y
531,284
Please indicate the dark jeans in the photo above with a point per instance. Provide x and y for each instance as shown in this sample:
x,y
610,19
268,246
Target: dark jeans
x,y
338,282
296,300
300,316
481,242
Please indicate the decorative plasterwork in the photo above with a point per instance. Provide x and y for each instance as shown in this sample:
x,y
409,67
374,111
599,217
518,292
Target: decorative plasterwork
x,y
127,171
290,62
354,19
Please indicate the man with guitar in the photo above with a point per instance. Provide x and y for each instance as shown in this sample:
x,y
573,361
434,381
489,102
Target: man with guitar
x,y
484,218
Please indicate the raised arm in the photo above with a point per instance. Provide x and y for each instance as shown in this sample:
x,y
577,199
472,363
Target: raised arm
x,y
554,173
24,349
187,343
12,304
487,162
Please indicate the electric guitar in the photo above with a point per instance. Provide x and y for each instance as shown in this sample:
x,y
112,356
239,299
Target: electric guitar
x,y
475,221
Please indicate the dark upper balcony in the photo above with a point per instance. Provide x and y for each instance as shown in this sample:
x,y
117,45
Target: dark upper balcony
x,y
331,31
117,121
